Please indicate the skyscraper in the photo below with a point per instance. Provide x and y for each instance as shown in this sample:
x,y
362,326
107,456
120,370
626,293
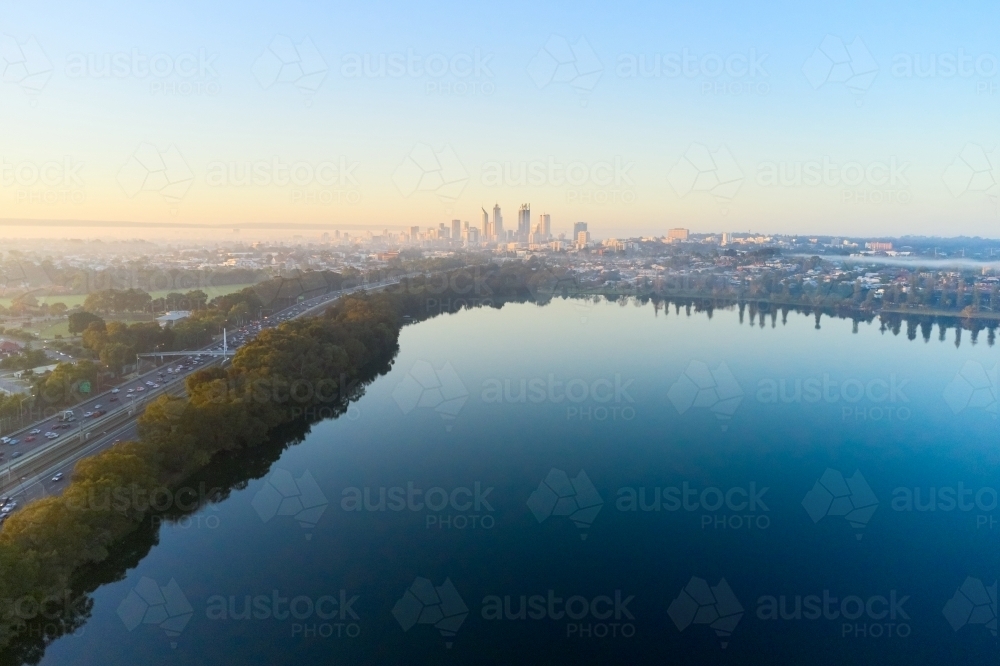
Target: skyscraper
x,y
545,222
456,229
414,233
498,224
523,222
485,230
578,227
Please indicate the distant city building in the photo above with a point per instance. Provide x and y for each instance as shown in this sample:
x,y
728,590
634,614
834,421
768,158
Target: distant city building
x,y
523,222
456,229
726,239
678,234
497,230
545,225
582,237
414,233
577,228
878,246
485,227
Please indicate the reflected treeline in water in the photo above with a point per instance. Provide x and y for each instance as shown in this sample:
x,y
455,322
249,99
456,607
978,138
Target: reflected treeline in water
x,y
233,425
765,313
227,472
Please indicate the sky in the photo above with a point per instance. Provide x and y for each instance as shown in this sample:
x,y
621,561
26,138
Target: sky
x,y
184,118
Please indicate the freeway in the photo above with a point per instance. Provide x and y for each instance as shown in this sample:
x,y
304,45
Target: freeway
x,y
32,472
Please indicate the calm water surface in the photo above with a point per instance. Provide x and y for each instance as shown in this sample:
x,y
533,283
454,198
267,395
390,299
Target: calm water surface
x,y
665,488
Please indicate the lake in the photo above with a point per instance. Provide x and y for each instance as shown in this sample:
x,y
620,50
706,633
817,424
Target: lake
x,y
597,483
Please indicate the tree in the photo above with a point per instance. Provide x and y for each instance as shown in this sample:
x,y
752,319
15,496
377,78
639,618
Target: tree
x,y
115,355
79,321
238,314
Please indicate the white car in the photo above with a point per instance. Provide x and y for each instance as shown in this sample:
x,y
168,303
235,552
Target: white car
x,y
156,386
57,477
96,407
114,390
36,431
87,415
51,435
131,390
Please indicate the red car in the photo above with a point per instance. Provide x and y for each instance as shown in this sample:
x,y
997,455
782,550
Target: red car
x,y
30,438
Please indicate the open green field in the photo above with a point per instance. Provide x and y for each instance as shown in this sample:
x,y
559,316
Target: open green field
x,y
72,300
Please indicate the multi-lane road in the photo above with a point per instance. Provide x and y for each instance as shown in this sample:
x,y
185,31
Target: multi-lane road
x,y
30,467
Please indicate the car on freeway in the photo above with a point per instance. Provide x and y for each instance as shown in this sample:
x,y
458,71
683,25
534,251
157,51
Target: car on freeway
x,y
29,438
114,390
87,415
16,454
140,388
131,390
97,407
51,435
58,477
113,398
36,431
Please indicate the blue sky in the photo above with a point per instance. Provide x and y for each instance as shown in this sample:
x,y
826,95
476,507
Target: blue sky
x,y
830,95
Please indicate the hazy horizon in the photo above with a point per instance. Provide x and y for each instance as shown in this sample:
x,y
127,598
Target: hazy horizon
x,y
854,120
